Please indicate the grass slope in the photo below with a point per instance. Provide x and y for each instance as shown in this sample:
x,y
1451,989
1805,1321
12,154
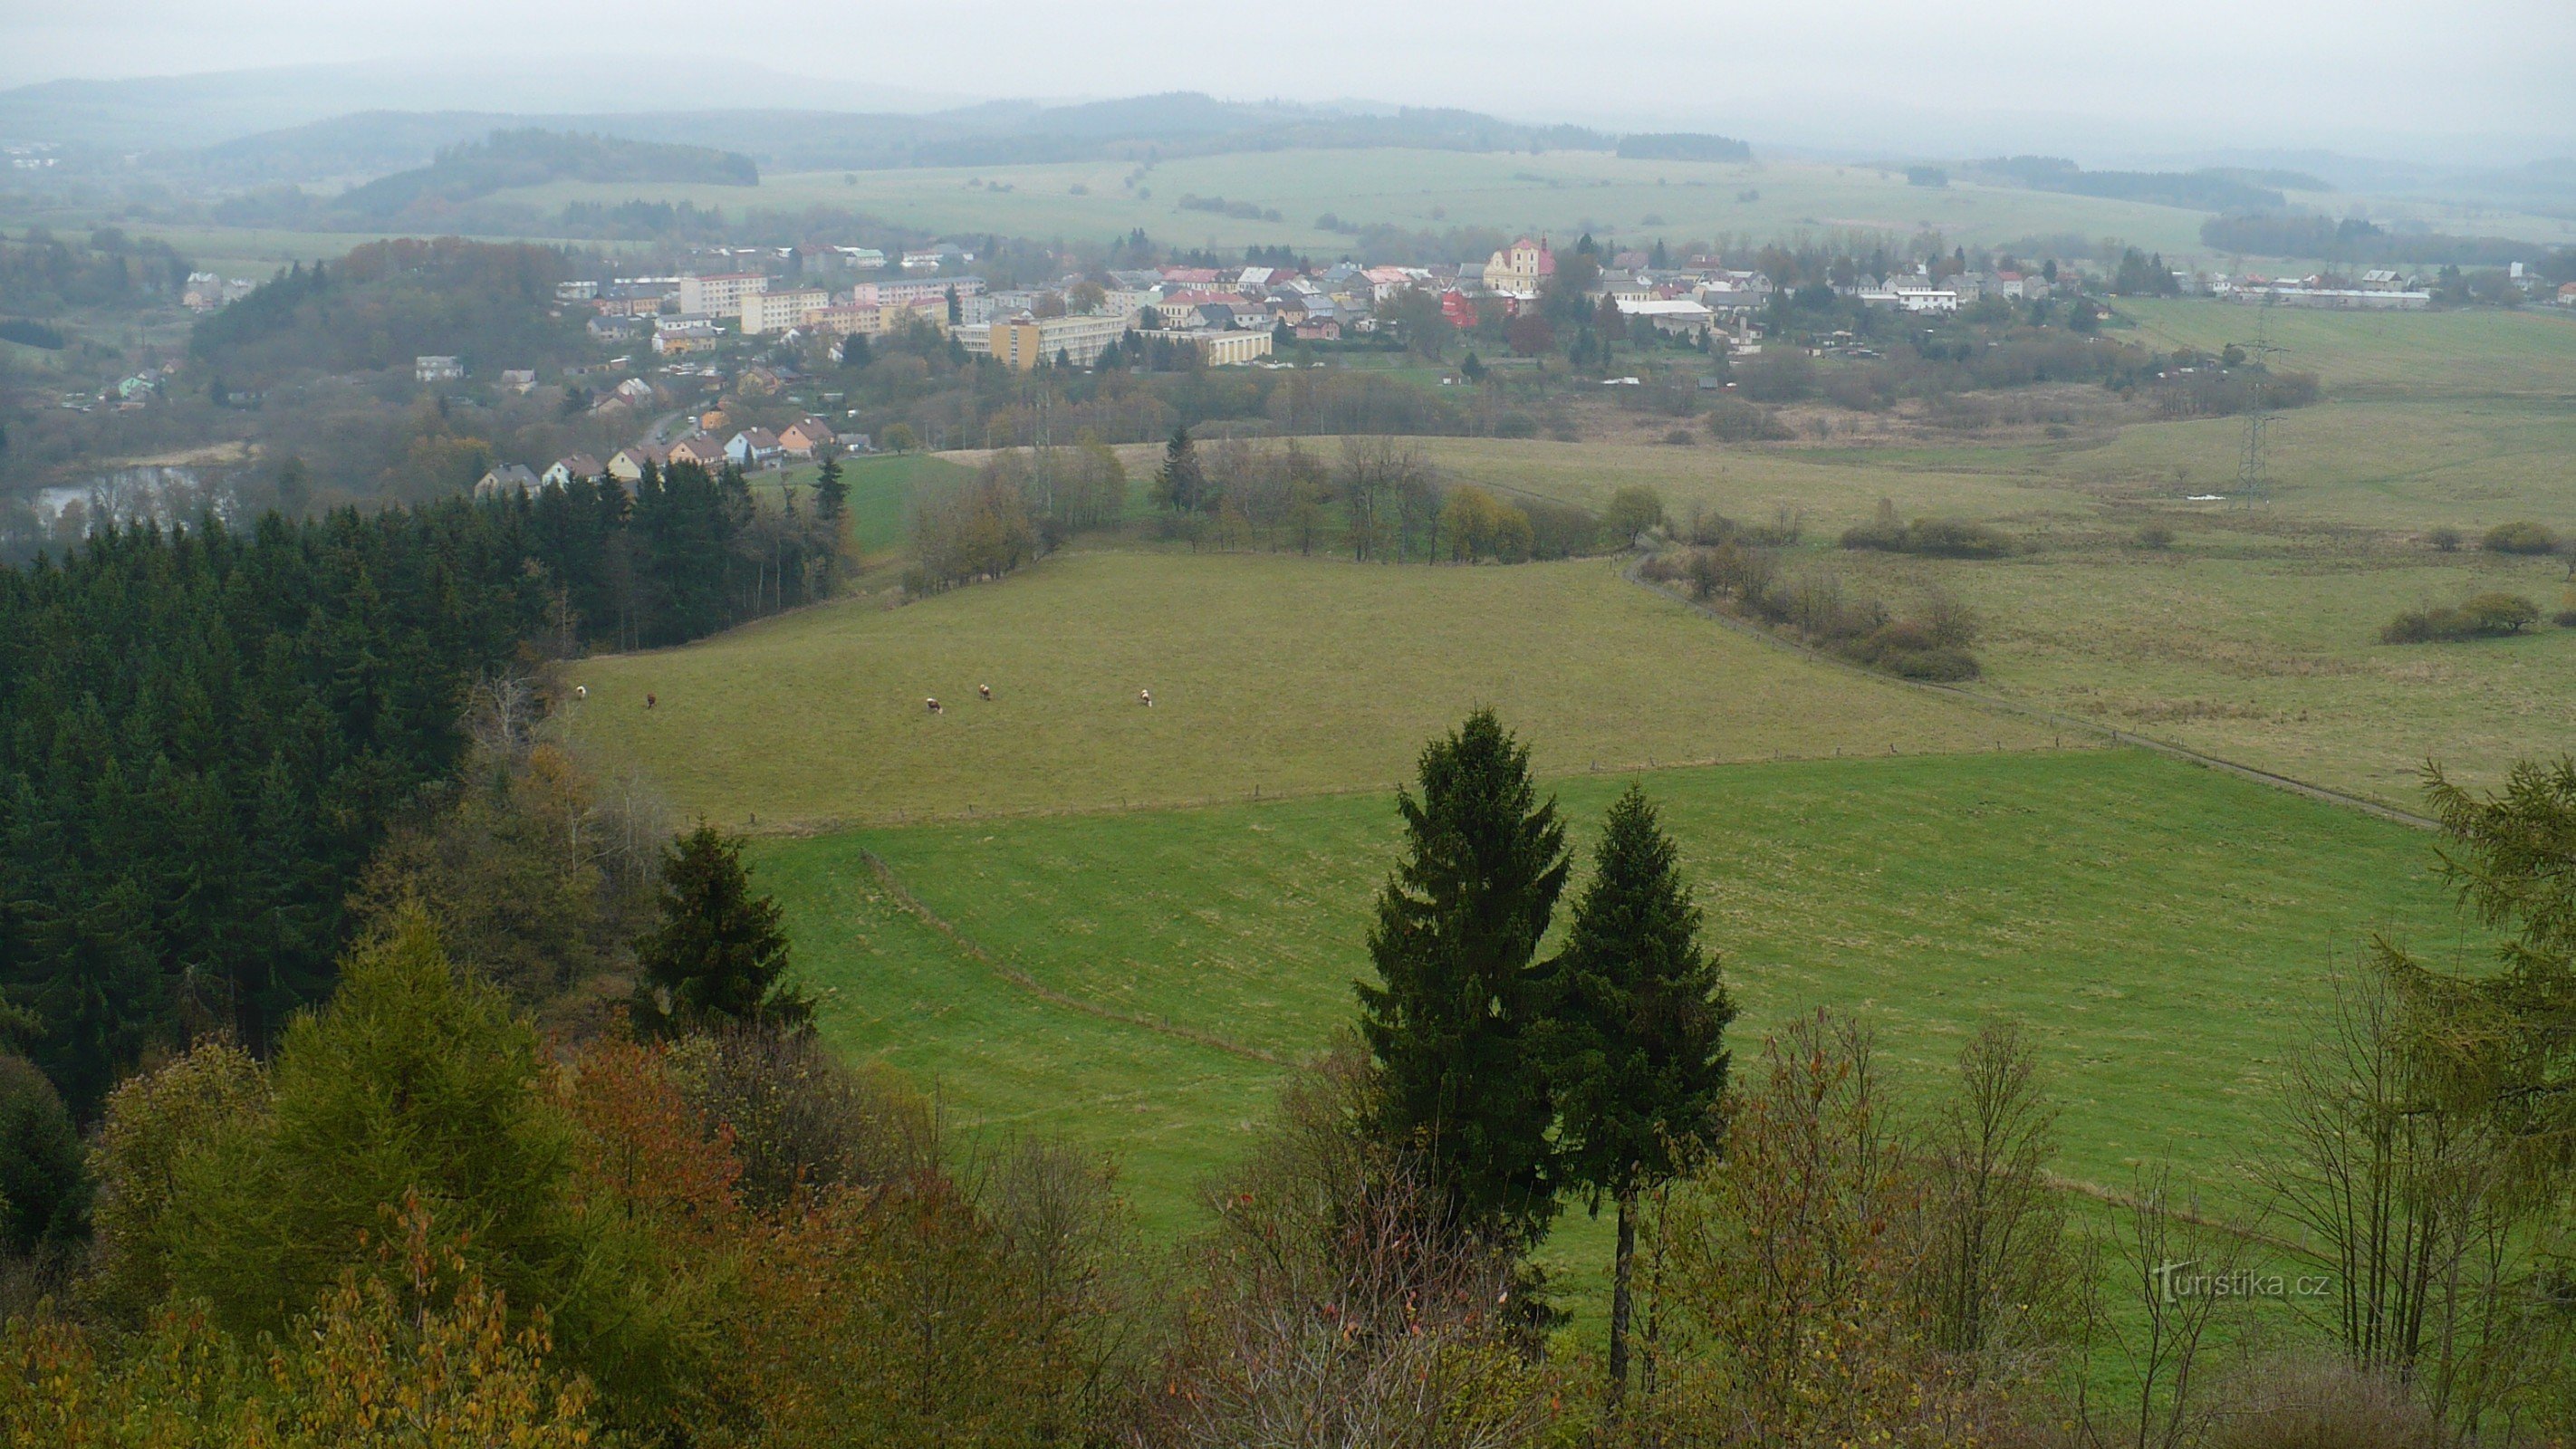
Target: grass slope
x,y
2159,925
1270,673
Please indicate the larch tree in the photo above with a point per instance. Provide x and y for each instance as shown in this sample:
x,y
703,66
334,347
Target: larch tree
x,y
1454,1017
1634,1036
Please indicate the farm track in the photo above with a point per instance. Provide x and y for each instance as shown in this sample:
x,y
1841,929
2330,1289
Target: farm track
x,y
1635,574
912,904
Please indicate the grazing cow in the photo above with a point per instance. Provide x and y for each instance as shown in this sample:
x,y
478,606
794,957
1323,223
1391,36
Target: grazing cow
x,y
985,690
648,701
1145,697
934,705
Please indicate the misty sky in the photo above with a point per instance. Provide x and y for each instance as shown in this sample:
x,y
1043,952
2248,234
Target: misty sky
x,y
2267,73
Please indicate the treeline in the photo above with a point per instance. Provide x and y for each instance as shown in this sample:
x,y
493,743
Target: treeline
x,y
1683,146
1381,500
204,733
388,302
1746,570
2353,239
42,275
2204,190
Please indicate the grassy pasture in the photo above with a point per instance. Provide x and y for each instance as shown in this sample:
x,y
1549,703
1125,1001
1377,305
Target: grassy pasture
x,y
1559,192
2483,352
1275,673
2263,649
2159,925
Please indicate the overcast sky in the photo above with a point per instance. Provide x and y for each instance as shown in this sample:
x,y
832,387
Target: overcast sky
x,y
2257,73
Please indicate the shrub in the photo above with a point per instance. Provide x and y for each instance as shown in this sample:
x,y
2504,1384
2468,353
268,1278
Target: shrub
x,y
2500,613
2444,540
2321,1406
2524,536
2565,618
1681,438
1733,420
2483,616
2155,535
1914,649
1776,375
798,1118
1516,425
1956,538
1932,537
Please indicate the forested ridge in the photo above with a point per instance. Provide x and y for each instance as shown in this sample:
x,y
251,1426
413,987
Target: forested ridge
x,y
205,732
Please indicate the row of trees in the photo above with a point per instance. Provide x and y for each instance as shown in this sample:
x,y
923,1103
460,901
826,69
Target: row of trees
x,y
1381,499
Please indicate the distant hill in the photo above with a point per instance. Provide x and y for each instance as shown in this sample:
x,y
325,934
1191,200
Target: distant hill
x,y
532,157
187,112
999,133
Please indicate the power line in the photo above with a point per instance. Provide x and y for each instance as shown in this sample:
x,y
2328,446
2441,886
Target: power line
x,y
2253,481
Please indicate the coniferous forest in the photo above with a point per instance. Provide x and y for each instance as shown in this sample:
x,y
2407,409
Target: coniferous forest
x,y
205,732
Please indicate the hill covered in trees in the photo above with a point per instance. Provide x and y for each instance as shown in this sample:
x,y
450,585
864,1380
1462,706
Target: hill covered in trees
x,y
387,302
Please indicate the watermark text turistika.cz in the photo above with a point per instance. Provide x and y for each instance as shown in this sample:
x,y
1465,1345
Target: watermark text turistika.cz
x,y
2176,1282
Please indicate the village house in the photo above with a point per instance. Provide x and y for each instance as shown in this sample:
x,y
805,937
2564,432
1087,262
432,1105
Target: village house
x,y
507,480
627,465
702,450
805,437
752,448
521,380
437,369
570,468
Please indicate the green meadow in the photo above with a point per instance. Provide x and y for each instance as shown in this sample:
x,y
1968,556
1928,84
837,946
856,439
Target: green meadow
x,y
1270,673
1135,980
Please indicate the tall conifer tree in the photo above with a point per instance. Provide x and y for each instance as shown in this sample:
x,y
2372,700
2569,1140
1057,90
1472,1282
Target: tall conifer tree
x,y
1634,1035
1453,1019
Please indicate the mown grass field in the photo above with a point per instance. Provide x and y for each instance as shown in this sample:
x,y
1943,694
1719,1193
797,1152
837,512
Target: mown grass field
x,y
1274,673
2160,926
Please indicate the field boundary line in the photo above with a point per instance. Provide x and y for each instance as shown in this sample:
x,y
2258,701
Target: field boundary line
x,y
912,904
2327,794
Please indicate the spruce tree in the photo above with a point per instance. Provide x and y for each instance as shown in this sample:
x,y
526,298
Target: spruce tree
x,y
831,497
1180,484
717,954
1453,1020
1636,1022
